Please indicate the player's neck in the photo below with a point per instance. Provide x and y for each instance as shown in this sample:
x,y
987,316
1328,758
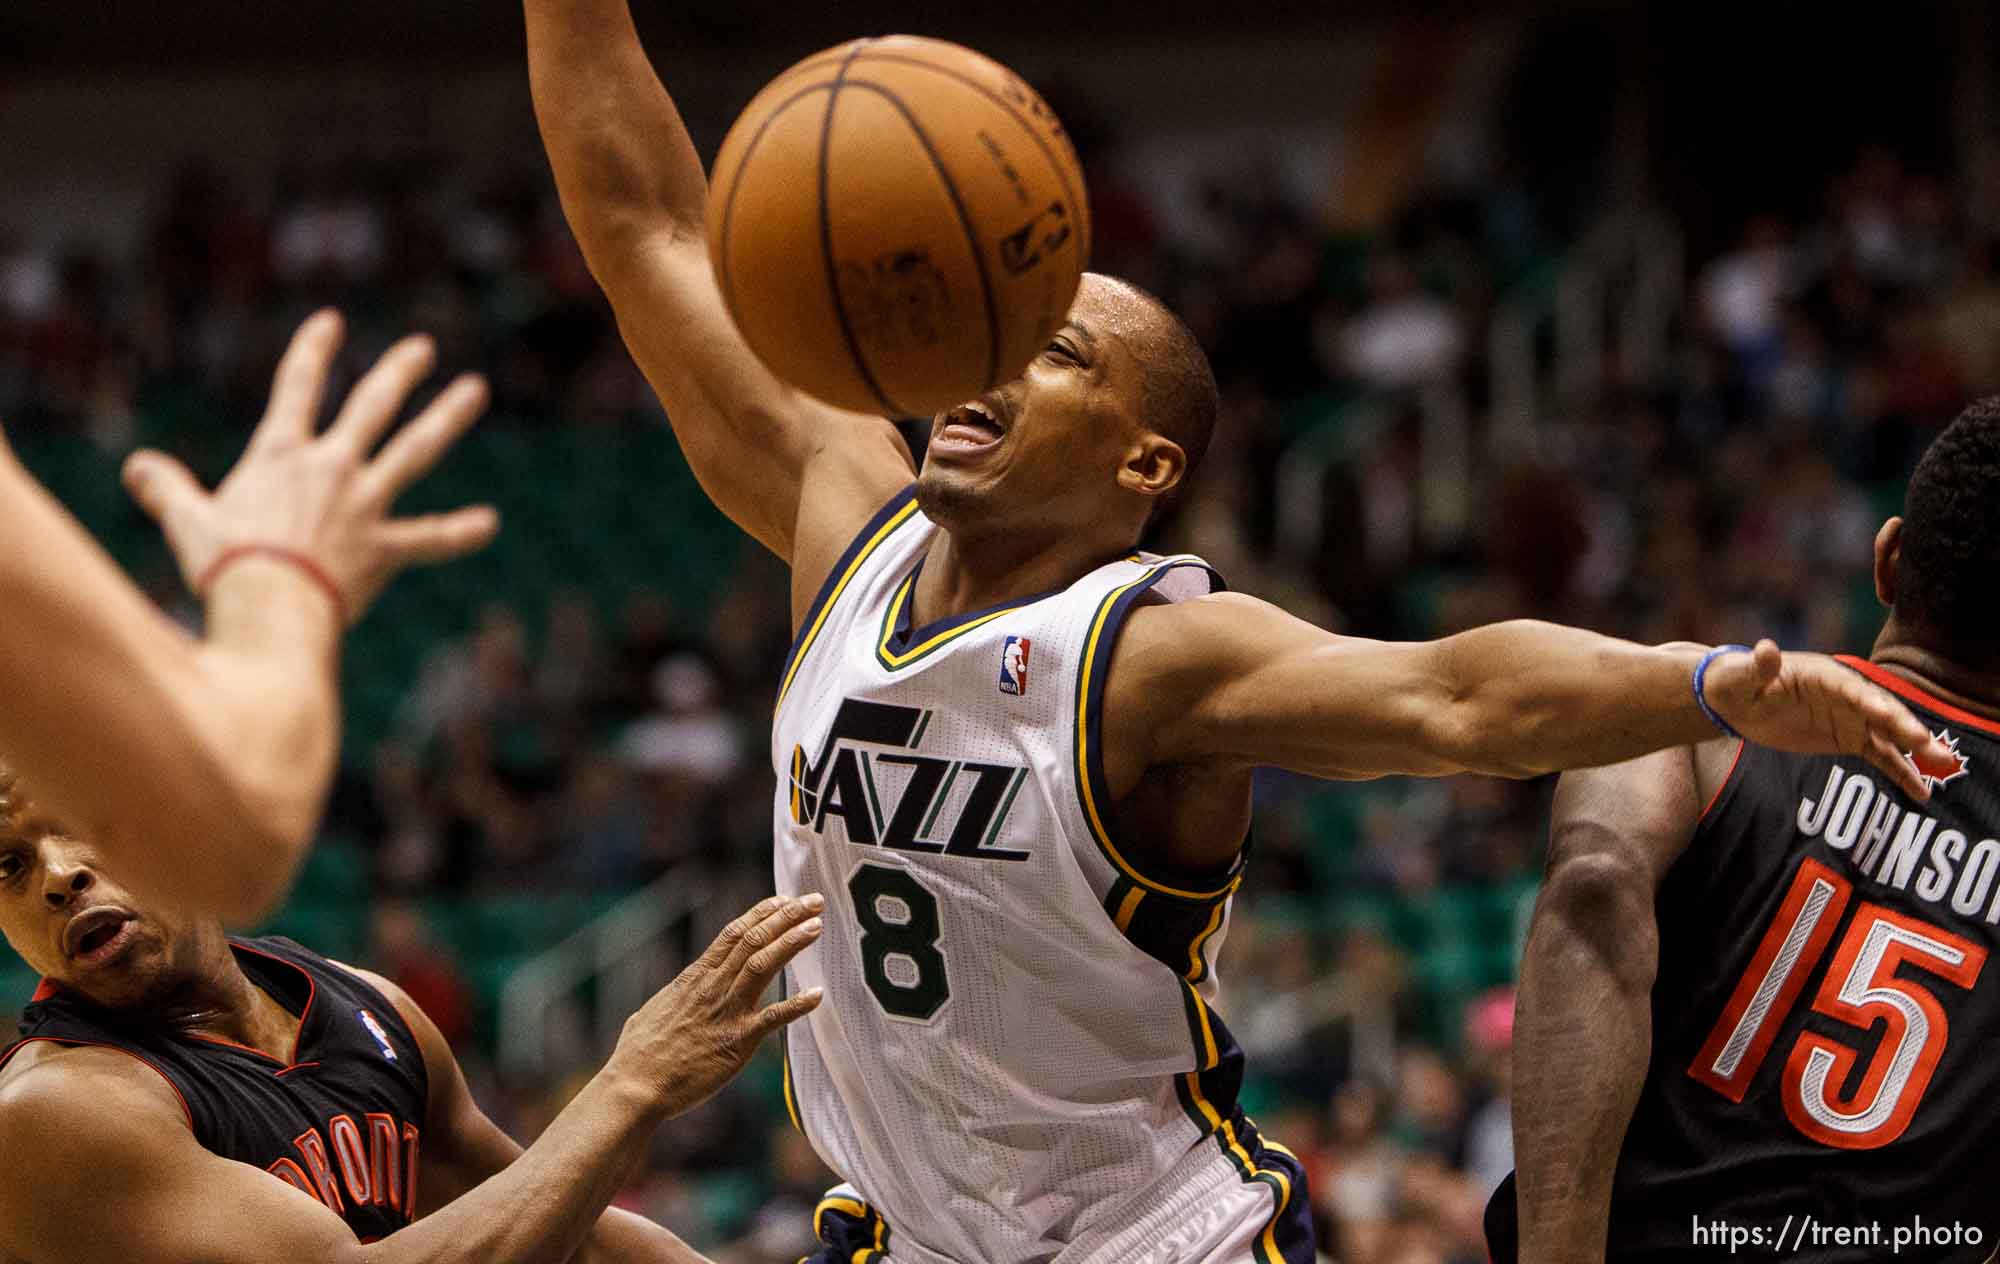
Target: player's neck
x,y
1936,674
960,576
222,1003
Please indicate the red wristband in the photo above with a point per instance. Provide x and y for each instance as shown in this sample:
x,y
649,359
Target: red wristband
x,y
306,565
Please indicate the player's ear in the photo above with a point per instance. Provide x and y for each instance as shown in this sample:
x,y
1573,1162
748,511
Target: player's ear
x,y
1888,554
1153,465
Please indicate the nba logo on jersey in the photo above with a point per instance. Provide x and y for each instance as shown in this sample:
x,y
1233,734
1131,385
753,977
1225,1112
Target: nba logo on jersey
x,y
375,1030
1014,665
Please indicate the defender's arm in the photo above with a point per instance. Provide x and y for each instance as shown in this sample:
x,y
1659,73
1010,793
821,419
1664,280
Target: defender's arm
x,y
1583,1032
119,1176
634,192
201,765
1228,678
463,1148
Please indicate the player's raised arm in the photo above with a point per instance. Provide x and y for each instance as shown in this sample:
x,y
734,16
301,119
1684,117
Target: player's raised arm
x,y
1230,678
201,766
634,192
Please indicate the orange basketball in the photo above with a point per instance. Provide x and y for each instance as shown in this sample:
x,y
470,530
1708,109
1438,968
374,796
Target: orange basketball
x,y
897,225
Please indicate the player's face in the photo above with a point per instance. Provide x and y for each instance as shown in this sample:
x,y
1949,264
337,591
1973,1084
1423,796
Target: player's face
x,y
82,930
1042,453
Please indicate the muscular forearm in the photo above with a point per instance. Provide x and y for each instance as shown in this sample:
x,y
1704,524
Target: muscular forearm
x,y
199,764
545,1204
623,1238
1581,1042
1524,698
622,157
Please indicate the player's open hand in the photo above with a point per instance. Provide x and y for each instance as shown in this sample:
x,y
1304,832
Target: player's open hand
x,y
326,496
698,1031
1809,703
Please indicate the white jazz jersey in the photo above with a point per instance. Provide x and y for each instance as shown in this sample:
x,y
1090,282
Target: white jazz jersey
x,y
1017,1058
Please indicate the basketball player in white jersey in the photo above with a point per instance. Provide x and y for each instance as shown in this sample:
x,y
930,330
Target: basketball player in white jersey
x,y
201,765
1015,755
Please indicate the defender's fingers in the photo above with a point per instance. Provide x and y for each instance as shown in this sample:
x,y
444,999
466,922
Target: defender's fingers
x,y
1766,661
725,942
1896,766
376,399
441,537
300,380
163,486
420,445
778,1014
768,931
763,965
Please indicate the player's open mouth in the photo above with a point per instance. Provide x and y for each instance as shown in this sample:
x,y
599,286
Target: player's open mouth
x,y
96,935
972,427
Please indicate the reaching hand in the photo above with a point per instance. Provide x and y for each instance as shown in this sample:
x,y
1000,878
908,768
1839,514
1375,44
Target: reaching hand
x,y
698,1031
321,496
1811,704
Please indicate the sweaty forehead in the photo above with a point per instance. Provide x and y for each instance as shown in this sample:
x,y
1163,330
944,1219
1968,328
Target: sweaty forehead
x,y
1105,306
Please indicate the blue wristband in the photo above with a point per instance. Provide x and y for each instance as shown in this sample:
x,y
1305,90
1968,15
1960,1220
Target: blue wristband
x,y
1701,679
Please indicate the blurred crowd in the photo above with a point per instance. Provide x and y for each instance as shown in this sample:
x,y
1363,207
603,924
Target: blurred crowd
x,y
1727,493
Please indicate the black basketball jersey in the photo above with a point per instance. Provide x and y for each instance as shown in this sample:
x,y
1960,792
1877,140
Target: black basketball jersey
x,y
341,1121
1825,1018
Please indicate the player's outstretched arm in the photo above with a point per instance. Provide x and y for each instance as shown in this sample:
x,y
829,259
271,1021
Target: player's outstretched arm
x,y
118,1175
1229,677
201,765
635,195
1584,1017
463,1149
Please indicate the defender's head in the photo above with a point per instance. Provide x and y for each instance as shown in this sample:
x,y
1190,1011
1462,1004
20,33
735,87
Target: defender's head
x,y
1938,566
73,922
1107,422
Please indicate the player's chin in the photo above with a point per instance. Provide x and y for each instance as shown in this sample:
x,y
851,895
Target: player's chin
x,y
948,488
122,972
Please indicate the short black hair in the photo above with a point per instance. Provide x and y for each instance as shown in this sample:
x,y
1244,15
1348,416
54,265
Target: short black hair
x,y
1178,398
1948,574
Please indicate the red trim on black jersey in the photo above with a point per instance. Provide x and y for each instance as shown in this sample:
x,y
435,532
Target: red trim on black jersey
x,y
8,1055
312,994
1914,693
1727,777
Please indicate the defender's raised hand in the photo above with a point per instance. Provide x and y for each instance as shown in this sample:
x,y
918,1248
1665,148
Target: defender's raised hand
x,y
1810,703
322,498
698,1031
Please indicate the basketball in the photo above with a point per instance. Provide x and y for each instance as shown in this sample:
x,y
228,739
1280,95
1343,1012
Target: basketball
x,y
897,225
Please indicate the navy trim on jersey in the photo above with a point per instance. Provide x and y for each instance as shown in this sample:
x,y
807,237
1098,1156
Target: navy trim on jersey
x,y
901,507
849,1230
900,645
1093,788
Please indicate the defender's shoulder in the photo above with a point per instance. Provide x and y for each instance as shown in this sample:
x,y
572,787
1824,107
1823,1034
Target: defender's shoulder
x,y
48,1083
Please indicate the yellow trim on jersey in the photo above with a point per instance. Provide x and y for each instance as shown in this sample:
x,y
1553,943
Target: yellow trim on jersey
x,y
1210,1056
1089,798
834,1202
864,1254
1128,906
1226,1130
1196,966
893,659
791,1102
882,533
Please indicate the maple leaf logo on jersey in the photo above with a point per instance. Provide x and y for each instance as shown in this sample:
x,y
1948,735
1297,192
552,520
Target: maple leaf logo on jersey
x,y
1960,762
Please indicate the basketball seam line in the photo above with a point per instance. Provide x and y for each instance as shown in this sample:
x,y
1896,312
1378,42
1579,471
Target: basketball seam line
x,y
964,222
725,277
1027,126
826,241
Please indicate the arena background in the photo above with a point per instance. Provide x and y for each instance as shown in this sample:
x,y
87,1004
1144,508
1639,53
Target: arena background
x,y
1632,317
